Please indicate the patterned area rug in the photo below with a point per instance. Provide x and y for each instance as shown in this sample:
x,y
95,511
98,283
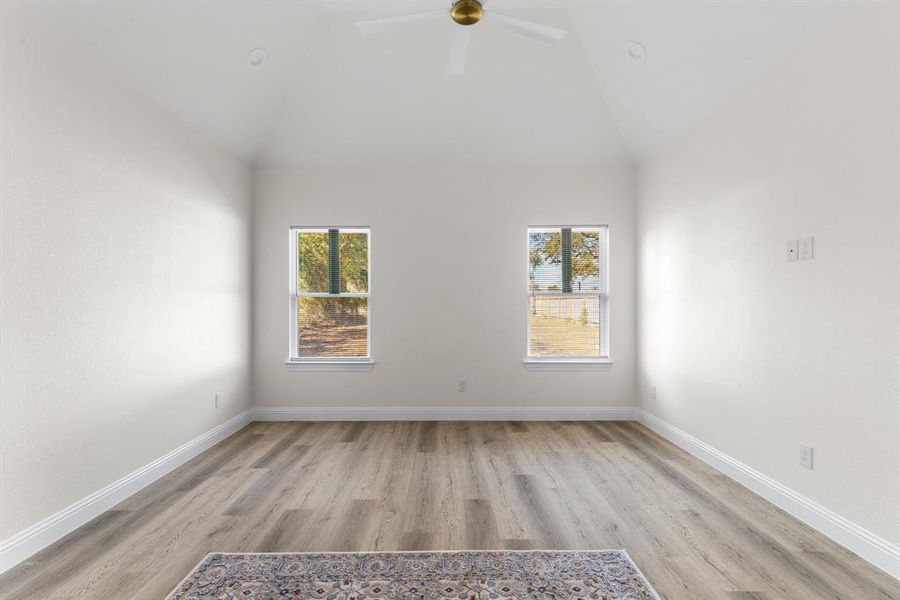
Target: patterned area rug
x,y
475,575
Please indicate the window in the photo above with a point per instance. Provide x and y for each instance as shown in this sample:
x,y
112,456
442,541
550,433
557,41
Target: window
x,y
568,293
329,294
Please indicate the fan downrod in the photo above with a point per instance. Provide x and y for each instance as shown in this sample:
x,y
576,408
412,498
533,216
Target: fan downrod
x,y
467,12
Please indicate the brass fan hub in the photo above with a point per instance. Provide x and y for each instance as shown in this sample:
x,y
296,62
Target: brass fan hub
x,y
467,12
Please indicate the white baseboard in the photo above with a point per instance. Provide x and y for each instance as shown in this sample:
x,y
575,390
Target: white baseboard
x,y
874,549
862,542
40,535
446,413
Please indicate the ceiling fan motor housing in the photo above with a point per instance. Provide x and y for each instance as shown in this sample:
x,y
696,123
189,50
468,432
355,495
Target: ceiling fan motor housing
x,y
467,12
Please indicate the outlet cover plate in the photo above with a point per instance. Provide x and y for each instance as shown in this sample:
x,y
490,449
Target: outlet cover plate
x,y
806,456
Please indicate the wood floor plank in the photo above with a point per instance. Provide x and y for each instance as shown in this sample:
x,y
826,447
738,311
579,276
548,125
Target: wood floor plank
x,y
481,525
282,486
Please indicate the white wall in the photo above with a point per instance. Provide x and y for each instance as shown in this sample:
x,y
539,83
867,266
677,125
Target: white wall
x,y
125,293
448,283
752,354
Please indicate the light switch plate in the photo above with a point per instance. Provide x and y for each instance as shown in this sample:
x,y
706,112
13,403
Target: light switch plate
x,y
793,250
806,248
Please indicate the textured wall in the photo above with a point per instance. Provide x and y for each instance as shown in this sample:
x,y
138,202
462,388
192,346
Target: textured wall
x,y
124,253
753,354
449,283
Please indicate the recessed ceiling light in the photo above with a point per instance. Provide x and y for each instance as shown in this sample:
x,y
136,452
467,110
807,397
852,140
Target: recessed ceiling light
x,y
635,50
257,56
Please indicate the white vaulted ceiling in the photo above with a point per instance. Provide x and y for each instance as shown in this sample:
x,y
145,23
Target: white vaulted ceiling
x,y
328,95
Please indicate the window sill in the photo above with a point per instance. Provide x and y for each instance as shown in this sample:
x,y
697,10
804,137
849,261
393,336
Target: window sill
x,y
329,365
568,364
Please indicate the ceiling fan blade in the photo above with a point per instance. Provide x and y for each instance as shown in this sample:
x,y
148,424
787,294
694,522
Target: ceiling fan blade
x,y
459,49
391,23
545,33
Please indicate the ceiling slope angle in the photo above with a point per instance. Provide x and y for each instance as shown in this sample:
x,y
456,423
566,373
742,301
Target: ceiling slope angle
x,y
376,100
465,14
194,59
696,58
294,83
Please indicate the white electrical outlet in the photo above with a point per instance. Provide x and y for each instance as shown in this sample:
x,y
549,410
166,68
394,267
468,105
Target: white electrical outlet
x,y
653,393
462,386
806,248
806,456
793,250
217,400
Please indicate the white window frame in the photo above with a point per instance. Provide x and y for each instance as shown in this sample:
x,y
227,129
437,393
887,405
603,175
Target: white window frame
x,y
296,362
569,362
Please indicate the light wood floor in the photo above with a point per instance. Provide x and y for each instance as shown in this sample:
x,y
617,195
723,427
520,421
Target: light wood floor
x,y
409,486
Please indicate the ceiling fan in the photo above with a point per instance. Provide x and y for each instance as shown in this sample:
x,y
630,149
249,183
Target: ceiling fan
x,y
465,13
